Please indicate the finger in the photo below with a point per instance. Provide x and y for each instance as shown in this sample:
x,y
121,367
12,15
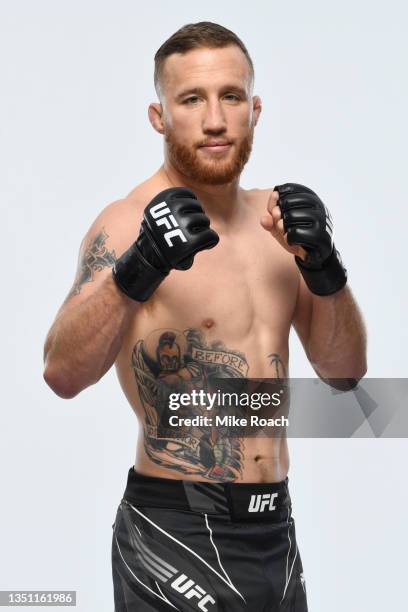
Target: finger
x,y
267,222
300,200
299,236
276,213
272,200
302,253
294,249
279,226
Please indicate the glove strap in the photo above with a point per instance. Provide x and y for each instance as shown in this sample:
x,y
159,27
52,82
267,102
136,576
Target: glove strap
x,y
329,278
135,276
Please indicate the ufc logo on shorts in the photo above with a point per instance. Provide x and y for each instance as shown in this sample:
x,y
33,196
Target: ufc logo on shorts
x,y
190,589
262,502
162,216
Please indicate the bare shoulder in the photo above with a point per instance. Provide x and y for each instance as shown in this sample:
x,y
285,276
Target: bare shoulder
x,y
257,203
258,198
143,193
112,232
115,225
123,216
257,192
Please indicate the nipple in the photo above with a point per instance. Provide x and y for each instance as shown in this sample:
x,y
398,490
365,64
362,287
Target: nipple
x,y
208,323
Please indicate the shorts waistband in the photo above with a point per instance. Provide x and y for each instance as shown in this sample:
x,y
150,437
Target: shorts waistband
x,y
248,501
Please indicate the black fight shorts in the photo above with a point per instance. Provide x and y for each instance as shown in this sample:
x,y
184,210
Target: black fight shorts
x,y
210,547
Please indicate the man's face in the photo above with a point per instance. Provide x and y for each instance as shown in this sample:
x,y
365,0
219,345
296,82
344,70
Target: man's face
x,y
208,113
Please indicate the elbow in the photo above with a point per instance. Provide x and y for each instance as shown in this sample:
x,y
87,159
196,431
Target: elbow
x,y
362,372
61,385
341,378
359,369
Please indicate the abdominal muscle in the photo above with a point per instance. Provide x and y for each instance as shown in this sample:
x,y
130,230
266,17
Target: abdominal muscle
x,y
191,358
265,460
229,316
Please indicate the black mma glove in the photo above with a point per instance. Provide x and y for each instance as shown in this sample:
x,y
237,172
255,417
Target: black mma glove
x,y
308,223
174,228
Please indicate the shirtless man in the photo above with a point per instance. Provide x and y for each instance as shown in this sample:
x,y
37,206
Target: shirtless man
x,y
210,289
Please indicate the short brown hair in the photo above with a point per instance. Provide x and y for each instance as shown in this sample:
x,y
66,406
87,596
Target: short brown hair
x,y
194,36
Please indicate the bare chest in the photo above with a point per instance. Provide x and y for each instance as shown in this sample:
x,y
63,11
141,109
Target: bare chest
x,y
229,314
239,288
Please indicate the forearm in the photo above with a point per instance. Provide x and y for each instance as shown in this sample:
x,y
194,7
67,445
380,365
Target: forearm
x,y
337,340
83,343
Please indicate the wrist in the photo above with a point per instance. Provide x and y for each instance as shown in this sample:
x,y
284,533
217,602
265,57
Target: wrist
x,y
135,276
324,279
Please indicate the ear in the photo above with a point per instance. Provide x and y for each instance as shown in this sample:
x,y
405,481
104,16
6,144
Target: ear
x,y
155,113
256,108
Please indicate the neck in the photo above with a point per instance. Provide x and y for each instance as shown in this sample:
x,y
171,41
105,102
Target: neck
x,y
221,202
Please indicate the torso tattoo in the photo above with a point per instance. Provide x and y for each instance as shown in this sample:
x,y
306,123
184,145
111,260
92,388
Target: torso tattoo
x,y
169,361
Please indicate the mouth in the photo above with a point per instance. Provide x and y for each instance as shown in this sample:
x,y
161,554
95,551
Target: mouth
x,y
216,146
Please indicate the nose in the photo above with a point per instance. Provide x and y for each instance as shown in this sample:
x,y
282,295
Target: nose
x,y
214,121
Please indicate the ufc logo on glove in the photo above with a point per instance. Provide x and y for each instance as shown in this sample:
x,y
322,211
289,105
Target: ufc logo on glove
x,y
162,216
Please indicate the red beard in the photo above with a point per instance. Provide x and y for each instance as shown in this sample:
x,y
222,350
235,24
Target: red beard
x,y
186,160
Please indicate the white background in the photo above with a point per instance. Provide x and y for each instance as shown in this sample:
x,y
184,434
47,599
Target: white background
x,y
76,79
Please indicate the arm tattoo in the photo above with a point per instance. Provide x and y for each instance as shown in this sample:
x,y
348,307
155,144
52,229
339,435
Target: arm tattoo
x,y
180,361
95,258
